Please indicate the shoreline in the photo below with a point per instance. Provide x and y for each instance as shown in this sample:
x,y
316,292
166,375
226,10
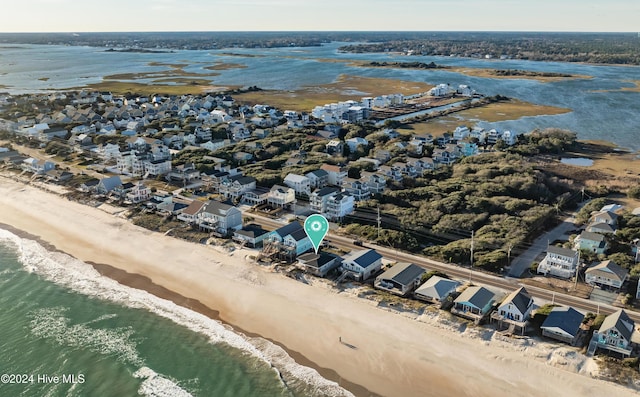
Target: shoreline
x,y
140,282
396,354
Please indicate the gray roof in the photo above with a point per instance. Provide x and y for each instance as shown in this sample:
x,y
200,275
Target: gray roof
x,y
437,287
316,260
326,191
252,231
111,183
299,235
403,273
286,230
597,237
619,321
609,268
602,226
364,258
520,298
566,319
217,208
561,251
319,173
477,296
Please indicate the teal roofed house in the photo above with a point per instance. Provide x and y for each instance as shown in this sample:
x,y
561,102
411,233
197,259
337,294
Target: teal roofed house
x,y
617,333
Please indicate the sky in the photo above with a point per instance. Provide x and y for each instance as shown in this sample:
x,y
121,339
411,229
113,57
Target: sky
x,y
296,15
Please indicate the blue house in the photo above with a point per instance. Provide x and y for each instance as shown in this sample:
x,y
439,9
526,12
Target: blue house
x,y
290,238
474,303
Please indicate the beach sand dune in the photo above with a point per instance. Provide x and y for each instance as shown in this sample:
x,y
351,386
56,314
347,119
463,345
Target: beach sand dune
x,y
383,352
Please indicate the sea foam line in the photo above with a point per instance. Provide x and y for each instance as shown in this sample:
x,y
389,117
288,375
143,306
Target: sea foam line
x,y
81,277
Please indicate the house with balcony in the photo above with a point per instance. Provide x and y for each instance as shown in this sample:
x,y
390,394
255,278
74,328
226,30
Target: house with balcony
x,y
401,279
375,182
358,189
317,179
251,235
335,147
190,214
607,275
390,173
219,217
288,241
362,264
139,193
335,174
319,264
560,262
281,196
563,324
320,197
474,303
235,186
257,196
617,334
436,289
338,206
355,143
299,183
515,310
37,166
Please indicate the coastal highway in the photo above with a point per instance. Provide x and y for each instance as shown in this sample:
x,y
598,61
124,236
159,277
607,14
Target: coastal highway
x,y
464,273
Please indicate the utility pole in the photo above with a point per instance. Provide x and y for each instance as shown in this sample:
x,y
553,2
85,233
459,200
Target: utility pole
x,y
509,254
472,233
379,222
582,190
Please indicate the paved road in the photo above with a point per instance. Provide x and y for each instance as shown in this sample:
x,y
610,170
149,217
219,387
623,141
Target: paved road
x,y
464,273
523,262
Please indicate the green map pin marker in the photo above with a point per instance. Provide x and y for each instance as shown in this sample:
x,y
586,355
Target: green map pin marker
x,y
316,226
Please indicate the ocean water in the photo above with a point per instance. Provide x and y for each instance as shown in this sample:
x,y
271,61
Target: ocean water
x,y
60,318
600,110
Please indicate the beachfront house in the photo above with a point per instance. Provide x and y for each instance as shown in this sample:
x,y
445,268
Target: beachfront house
x,y
362,264
289,241
319,264
401,279
559,262
139,193
616,334
251,235
37,166
563,324
107,185
190,214
515,309
436,289
219,217
607,275
474,303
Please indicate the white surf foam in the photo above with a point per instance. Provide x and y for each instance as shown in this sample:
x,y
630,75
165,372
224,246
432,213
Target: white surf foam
x,y
83,278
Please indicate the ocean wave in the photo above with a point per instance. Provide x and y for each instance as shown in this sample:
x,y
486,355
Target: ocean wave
x,y
155,385
80,277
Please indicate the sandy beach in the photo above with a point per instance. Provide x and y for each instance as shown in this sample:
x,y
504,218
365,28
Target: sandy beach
x,y
393,354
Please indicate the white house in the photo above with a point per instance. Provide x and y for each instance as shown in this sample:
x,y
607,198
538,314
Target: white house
x,y
299,183
515,309
320,197
281,196
560,262
335,174
354,143
358,189
363,263
139,193
338,206
317,179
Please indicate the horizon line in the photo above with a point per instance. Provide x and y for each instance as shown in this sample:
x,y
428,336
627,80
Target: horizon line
x,y
319,31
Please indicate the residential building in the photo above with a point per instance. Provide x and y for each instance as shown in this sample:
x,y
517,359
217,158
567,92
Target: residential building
x,y
234,187
290,240
559,262
436,289
515,309
219,217
474,303
319,264
37,166
355,143
362,264
257,196
139,193
107,185
606,274
616,333
318,179
251,235
190,214
601,227
281,196
607,217
320,197
335,174
400,279
358,189
592,242
563,324
335,147
375,182
299,183
338,206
